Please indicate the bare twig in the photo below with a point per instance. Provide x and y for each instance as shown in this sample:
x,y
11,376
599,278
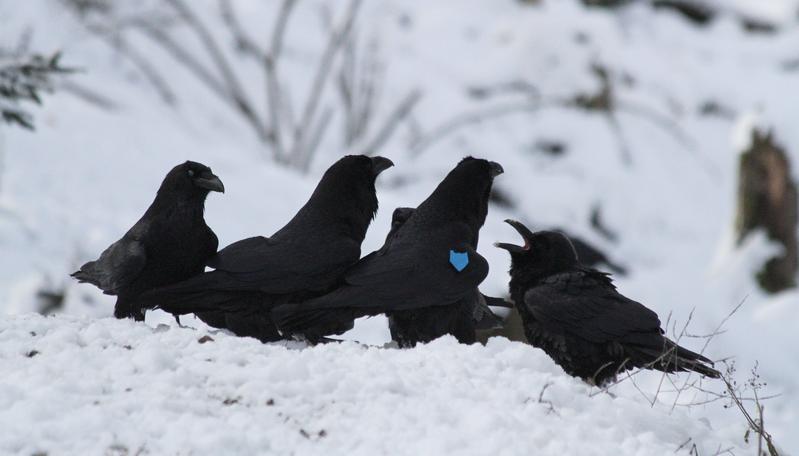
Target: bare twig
x,y
232,84
337,38
315,137
756,425
271,59
469,118
400,112
121,45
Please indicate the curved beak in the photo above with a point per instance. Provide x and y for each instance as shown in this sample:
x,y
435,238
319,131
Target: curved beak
x,y
209,181
526,234
496,169
380,164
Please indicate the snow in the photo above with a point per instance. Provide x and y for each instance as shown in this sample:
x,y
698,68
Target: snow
x,y
87,174
101,385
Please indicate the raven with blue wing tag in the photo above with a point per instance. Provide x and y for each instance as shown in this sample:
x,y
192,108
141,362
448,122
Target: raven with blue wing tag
x,y
408,274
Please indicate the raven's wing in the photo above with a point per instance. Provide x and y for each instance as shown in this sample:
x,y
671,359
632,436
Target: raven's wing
x,y
586,305
261,264
413,277
241,256
117,267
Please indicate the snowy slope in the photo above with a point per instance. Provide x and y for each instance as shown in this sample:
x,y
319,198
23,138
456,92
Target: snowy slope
x,y
87,174
95,386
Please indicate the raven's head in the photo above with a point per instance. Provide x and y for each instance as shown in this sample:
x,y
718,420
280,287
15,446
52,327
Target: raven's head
x,y
463,194
544,253
191,180
347,190
400,216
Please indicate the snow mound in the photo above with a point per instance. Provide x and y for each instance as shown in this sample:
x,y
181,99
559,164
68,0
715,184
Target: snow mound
x,y
74,385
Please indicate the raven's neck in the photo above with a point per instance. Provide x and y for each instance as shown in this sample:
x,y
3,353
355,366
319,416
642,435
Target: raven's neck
x,y
448,204
181,208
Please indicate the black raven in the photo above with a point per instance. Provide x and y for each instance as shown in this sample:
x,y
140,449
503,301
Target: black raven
x,y
575,314
303,259
169,243
429,261
409,327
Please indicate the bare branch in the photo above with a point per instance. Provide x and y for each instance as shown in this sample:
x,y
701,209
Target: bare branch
x,y
182,56
244,42
273,99
396,117
314,138
150,73
469,118
233,87
337,38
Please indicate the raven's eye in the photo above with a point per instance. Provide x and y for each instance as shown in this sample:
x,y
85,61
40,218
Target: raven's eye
x,y
191,173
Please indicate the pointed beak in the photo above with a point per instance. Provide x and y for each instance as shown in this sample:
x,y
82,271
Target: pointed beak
x,y
380,164
496,169
523,231
209,181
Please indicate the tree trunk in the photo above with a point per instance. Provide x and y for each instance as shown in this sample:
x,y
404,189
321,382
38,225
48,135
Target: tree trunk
x,y
767,199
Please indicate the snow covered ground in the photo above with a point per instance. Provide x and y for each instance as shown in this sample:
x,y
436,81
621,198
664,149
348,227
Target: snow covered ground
x,y
87,174
74,385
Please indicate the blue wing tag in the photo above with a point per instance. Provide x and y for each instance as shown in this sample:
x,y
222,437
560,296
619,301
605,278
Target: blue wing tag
x,y
458,260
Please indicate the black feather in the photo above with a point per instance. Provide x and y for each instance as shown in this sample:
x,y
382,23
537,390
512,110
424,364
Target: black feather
x,y
576,315
412,271
305,258
170,243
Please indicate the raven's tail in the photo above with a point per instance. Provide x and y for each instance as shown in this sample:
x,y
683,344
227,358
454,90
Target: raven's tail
x,y
687,360
314,319
674,358
86,274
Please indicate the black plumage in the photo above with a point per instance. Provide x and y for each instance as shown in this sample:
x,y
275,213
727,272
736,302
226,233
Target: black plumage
x,y
429,261
303,259
575,314
170,243
410,327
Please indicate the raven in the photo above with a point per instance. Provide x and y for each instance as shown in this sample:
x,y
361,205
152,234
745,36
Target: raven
x,y
429,261
169,243
575,314
303,259
409,327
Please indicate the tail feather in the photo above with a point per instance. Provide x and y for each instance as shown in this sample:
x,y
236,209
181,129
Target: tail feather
x,y
84,275
317,321
673,358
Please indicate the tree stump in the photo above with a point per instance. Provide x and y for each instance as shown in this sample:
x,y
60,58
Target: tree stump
x,y
767,199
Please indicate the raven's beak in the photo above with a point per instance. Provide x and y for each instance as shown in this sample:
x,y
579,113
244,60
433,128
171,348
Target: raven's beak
x,y
380,164
209,181
496,169
523,231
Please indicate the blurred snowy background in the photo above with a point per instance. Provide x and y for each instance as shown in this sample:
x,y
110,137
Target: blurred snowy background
x,y
622,122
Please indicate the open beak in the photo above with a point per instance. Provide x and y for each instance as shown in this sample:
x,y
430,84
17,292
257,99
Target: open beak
x,y
523,231
209,181
380,164
496,169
